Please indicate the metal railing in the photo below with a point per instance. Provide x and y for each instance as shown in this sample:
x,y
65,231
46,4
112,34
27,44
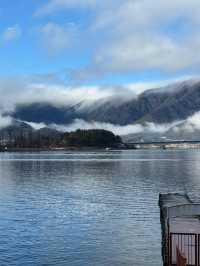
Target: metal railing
x,y
184,243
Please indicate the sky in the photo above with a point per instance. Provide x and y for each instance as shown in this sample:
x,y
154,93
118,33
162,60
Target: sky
x,y
64,51
93,42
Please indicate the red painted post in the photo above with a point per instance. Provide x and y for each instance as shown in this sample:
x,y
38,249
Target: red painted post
x,y
180,258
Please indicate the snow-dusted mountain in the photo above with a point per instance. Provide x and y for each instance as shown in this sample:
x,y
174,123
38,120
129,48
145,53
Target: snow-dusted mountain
x,y
162,105
158,112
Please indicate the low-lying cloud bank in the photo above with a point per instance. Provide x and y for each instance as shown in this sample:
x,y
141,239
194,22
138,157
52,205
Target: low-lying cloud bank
x,y
189,125
51,90
5,121
116,129
21,91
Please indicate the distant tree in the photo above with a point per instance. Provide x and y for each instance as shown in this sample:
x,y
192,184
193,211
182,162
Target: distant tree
x,y
22,136
91,138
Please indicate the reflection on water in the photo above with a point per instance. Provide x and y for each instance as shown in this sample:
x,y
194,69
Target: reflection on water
x,y
92,208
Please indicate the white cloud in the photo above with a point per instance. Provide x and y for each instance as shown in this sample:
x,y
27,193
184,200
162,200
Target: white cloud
x,y
147,52
189,125
57,38
115,128
27,90
163,85
17,91
23,91
11,33
57,5
82,124
138,39
5,121
192,123
137,35
36,125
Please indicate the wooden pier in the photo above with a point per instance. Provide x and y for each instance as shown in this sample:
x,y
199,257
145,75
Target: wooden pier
x,y
180,222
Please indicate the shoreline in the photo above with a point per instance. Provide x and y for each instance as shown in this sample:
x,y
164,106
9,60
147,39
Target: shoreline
x,y
93,149
59,149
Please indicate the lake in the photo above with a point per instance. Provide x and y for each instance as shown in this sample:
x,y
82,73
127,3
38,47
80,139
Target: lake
x,y
89,208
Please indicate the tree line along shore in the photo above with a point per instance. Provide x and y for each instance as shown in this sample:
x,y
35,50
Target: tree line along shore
x,y
53,139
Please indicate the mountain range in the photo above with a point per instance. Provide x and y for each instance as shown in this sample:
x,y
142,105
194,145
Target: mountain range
x,y
169,112
162,105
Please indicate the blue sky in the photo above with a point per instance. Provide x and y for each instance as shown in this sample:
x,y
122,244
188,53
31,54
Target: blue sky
x,y
100,42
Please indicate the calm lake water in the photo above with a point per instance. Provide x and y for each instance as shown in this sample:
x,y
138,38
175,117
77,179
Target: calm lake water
x,y
89,209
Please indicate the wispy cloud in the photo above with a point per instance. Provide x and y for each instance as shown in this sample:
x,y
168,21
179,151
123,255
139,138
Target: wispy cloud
x,y
115,128
11,33
134,36
5,121
189,125
29,90
25,91
56,38
82,124
53,6
48,89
